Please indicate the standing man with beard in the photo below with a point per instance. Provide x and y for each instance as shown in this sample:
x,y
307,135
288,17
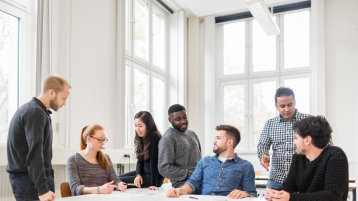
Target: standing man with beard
x,y
224,174
179,148
29,143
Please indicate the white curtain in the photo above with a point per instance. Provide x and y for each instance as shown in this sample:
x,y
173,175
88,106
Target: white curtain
x,y
43,68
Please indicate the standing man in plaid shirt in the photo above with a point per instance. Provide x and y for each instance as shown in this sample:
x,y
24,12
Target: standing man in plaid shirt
x,y
279,133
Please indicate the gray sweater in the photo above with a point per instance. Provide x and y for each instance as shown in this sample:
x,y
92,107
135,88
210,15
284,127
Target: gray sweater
x,y
179,152
82,173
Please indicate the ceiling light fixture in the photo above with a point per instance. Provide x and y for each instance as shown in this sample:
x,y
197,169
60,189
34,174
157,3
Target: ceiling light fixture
x,y
261,13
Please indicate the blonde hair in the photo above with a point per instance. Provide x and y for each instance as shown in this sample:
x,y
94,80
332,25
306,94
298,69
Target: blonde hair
x,y
89,131
55,83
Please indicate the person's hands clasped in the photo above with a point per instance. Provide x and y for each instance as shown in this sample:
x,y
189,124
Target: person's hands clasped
x,y
173,192
268,193
237,194
47,196
277,196
138,181
121,186
265,162
107,188
153,188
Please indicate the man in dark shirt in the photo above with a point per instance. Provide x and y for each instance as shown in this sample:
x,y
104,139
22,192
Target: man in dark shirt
x,y
29,143
318,171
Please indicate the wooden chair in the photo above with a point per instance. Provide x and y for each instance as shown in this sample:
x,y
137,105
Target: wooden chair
x,y
65,189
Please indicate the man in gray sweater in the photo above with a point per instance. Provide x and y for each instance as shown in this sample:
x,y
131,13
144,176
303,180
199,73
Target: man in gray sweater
x,y
179,148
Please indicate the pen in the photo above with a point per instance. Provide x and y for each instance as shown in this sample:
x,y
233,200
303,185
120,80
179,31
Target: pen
x,y
193,197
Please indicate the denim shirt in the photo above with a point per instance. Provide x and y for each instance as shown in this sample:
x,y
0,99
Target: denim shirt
x,y
213,177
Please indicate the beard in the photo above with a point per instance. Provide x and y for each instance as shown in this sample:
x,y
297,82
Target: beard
x,y
178,127
54,104
218,150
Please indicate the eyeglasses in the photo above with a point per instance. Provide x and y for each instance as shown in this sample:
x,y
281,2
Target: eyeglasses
x,y
100,140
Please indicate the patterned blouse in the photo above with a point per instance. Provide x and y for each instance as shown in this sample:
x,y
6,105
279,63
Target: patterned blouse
x,y
280,134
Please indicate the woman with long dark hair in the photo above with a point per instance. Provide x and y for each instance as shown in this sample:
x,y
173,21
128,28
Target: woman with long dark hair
x,y
90,170
146,142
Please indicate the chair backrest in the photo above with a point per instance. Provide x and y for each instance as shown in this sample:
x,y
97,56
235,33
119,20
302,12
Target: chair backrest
x,y
65,189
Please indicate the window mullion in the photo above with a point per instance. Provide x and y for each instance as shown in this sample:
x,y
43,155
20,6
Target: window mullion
x,y
131,22
280,44
131,105
150,32
248,45
149,94
250,112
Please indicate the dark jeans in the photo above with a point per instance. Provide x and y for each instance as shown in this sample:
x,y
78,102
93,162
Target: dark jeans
x,y
130,176
24,189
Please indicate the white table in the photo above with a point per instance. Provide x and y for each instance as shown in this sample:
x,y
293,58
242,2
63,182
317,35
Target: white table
x,y
135,194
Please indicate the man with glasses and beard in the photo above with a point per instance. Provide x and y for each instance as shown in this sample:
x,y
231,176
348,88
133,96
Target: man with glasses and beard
x,y
179,148
225,174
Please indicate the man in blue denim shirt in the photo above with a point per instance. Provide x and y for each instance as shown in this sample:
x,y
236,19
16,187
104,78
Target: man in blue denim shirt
x,y
224,174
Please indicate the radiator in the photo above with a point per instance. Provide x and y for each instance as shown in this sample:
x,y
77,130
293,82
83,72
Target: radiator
x,y
5,188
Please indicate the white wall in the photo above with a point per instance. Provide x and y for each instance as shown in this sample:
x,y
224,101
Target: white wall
x,y
83,50
341,28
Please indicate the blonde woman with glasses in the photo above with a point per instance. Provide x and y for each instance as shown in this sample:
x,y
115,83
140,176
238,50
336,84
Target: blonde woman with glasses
x,y
90,170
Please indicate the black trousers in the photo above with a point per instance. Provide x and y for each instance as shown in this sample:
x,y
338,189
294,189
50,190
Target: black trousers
x,y
24,189
130,176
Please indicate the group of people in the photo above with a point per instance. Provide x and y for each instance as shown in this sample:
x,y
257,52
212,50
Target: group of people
x,y
304,165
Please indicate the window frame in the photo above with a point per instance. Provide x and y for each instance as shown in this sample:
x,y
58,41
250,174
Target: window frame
x,y
280,74
26,72
148,67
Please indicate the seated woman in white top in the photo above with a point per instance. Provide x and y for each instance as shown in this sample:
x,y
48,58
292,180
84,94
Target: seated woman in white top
x,y
91,171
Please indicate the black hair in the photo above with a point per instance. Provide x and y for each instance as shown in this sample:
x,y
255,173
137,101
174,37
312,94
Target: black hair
x,y
317,127
175,108
284,91
142,143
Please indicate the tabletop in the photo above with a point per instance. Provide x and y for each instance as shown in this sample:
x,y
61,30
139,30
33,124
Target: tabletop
x,y
144,194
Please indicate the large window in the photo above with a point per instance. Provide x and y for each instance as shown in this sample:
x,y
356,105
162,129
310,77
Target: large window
x,y
253,65
9,59
146,72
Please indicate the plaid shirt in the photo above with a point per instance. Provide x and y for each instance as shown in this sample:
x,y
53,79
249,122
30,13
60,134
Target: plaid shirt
x,y
279,133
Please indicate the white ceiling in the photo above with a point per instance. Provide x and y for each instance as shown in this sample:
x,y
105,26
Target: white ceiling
x,y
201,8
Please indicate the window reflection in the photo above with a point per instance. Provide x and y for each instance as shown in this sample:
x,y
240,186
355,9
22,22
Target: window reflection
x,y
9,35
296,39
263,49
264,109
301,87
141,42
234,107
234,48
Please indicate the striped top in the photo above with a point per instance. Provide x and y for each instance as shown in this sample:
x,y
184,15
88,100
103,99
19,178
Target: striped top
x,y
82,173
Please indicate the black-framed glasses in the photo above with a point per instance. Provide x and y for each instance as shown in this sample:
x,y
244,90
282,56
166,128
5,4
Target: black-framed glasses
x,y
100,140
